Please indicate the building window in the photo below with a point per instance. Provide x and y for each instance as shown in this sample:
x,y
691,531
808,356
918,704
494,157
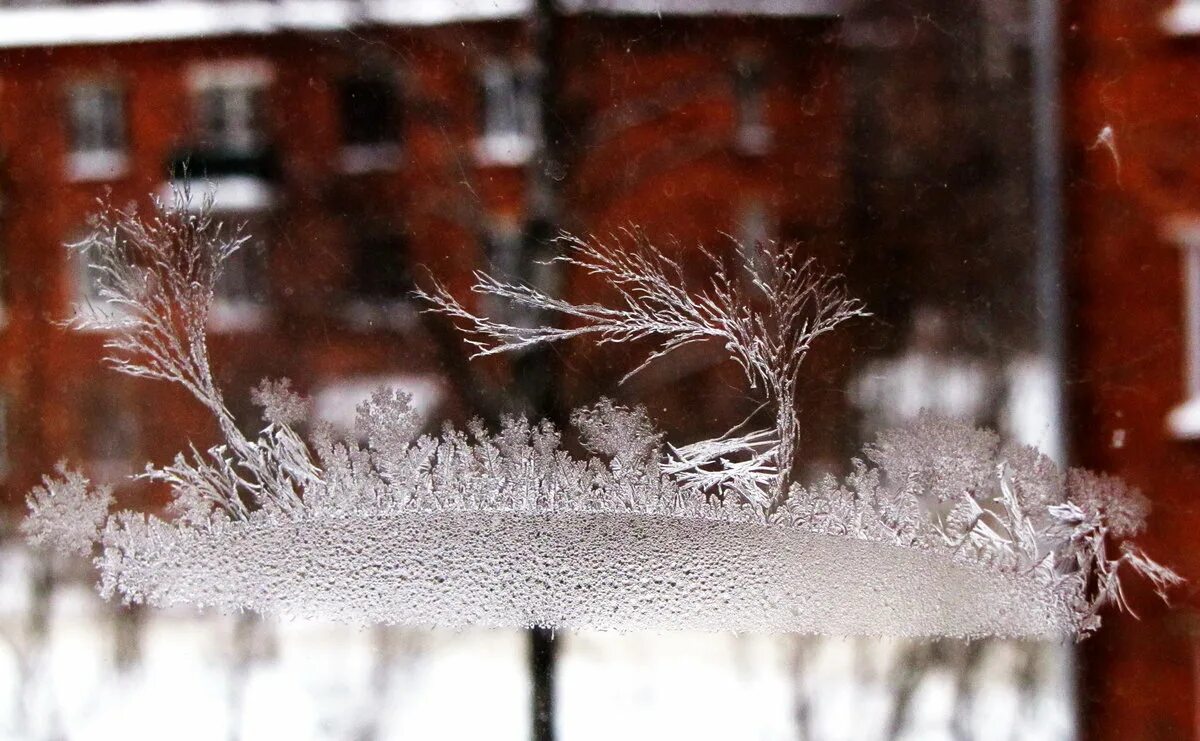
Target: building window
x,y
96,131
752,134
5,435
369,110
755,223
1184,420
755,226
3,272
380,268
229,101
240,296
87,278
111,430
502,247
509,113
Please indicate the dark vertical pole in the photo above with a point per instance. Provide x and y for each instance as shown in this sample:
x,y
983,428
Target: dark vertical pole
x,y
1045,51
1046,55
535,370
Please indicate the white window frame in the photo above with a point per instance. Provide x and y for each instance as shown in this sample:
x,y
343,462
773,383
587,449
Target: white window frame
x,y
101,160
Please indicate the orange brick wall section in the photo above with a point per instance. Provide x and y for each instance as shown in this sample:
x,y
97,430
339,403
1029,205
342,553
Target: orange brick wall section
x,y
1126,374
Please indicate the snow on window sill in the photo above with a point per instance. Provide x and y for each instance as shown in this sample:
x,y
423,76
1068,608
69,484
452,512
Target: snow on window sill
x,y
1182,19
503,149
95,317
96,165
754,140
398,314
1184,420
363,158
239,194
337,402
110,470
236,316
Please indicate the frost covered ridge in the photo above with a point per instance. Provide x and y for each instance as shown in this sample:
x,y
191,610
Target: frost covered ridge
x,y
505,527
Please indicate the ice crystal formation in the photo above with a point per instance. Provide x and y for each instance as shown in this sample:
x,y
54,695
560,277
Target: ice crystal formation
x,y
938,529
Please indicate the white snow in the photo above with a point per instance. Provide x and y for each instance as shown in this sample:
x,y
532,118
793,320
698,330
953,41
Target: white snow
x,y
1182,19
237,194
337,403
164,20
182,19
709,7
103,164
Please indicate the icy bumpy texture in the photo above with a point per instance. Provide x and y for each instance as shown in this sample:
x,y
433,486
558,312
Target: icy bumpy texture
x,y
938,529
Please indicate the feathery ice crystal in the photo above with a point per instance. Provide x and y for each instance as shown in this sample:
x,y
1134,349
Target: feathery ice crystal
x,y
938,529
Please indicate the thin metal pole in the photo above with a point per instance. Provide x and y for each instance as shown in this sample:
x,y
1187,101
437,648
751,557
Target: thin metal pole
x,y
1048,205
536,369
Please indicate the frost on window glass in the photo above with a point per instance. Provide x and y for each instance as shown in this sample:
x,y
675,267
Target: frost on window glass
x,y
505,527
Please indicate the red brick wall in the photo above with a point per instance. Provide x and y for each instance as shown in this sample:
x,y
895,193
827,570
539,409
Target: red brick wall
x,y
676,172
1126,375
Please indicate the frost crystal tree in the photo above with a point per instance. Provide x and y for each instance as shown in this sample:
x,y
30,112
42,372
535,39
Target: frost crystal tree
x,y
938,529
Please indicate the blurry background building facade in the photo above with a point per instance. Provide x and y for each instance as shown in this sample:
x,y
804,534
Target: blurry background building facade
x,y
363,143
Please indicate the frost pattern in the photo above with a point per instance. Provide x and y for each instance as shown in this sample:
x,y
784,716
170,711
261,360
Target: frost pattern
x,y
506,527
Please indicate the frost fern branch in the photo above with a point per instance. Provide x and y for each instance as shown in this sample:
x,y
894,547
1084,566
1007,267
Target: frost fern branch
x,y
391,524
768,329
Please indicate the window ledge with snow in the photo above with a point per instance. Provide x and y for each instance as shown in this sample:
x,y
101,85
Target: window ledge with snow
x,y
397,314
754,140
1183,18
94,316
237,316
241,194
504,149
365,158
338,402
1184,420
97,165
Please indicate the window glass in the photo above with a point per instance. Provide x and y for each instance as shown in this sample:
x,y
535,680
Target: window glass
x,y
380,268
508,111
228,102
368,110
97,129
1012,187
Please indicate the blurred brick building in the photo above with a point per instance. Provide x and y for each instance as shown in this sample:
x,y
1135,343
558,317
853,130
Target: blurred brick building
x,y
359,157
1133,128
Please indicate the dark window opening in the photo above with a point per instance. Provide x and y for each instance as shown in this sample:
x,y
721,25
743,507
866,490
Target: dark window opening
x,y
110,424
752,131
369,110
96,118
380,268
243,276
508,105
230,117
